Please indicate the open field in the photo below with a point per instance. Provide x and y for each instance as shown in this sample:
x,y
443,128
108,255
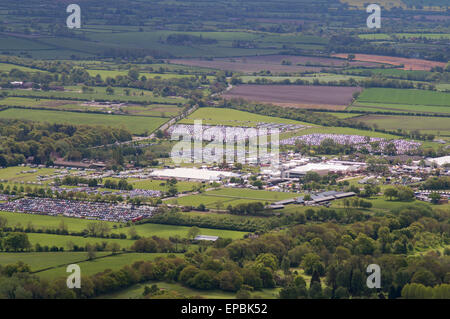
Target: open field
x,y
431,125
137,125
63,240
323,78
230,117
166,231
272,63
77,225
385,36
398,108
408,64
44,260
91,267
399,96
74,93
49,222
322,97
136,291
220,199
160,185
212,202
19,174
251,194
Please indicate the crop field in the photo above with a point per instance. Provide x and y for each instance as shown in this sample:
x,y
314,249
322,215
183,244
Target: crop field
x,y
230,117
6,67
408,64
321,77
320,97
272,63
392,72
398,108
99,94
432,125
384,36
136,125
405,97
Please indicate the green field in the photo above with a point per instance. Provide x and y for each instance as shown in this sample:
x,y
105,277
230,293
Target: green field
x,y
166,231
99,94
49,222
14,174
384,36
44,260
405,97
230,117
137,125
62,240
160,185
136,291
220,199
77,225
423,124
398,108
101,264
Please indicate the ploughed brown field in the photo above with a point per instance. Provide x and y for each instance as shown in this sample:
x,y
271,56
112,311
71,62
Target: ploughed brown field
x,y
409,64
300,96
273,63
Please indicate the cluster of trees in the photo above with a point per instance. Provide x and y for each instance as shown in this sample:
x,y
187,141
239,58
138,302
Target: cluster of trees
x,y
122,184
248,209
437,183
153,245
76,180
373,81
401,193
22,140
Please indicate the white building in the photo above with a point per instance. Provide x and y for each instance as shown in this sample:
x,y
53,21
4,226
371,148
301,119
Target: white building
x,y
193,174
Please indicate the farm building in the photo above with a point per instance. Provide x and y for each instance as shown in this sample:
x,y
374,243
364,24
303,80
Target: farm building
x,y
207,238
439,161
323,168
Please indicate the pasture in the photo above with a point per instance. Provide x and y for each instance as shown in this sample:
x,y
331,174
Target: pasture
x,y
136,125
430,125
44,260
405,97
230,117
113,262
160,185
